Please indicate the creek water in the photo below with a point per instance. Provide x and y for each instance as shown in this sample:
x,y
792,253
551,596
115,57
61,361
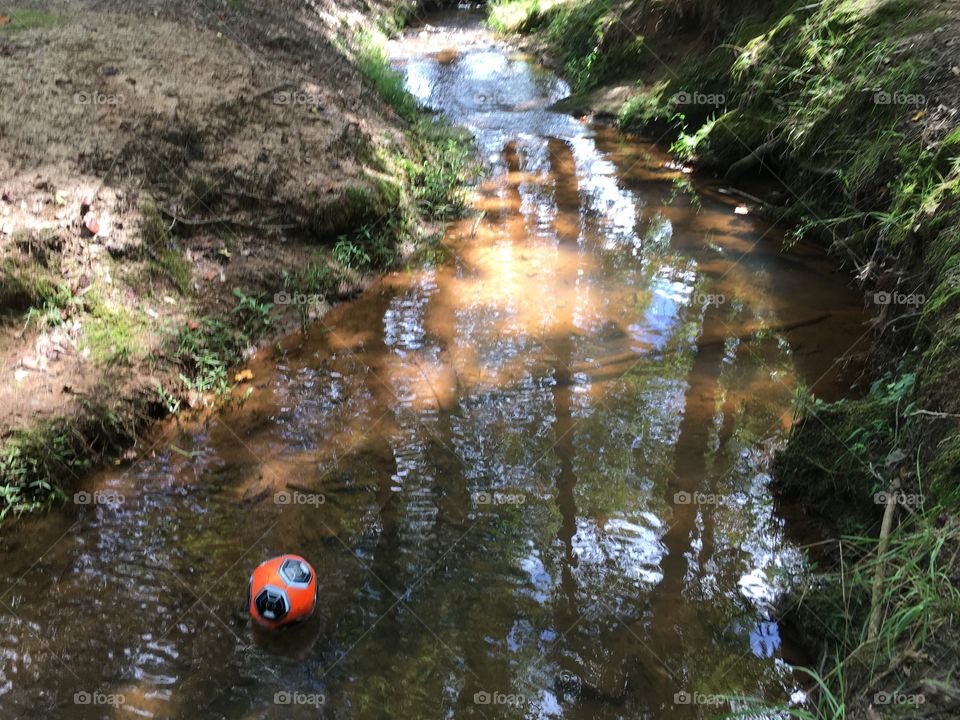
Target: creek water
x,y
533,478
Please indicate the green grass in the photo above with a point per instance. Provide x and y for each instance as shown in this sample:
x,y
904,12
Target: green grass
x,y
207,350
37,462
828,700
54,303
576,31
510,16
375,67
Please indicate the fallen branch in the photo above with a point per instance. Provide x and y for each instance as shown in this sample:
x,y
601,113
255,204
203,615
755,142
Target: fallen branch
x,y
748,335
745,195
476,224
754,158
235,222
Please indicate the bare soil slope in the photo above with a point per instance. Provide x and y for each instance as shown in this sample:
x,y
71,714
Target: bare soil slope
x,y
155,157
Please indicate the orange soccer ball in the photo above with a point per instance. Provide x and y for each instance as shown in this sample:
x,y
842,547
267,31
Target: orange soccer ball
x,y
282,591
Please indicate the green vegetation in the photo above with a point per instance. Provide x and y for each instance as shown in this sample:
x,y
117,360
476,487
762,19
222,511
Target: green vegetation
x,y
577,31
206,351
52,303
30,467
436,177
349,254
114,334
37,463
375,67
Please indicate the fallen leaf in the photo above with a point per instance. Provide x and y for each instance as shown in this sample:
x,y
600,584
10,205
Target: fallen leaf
x,y
919,116
223,251
5,19
243,376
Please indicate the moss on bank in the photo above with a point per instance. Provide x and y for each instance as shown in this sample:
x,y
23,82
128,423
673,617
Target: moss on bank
x,y
847,109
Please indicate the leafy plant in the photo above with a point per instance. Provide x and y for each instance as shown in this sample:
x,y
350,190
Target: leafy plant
x,y
55,304
350,255
169,401
253,314
206,351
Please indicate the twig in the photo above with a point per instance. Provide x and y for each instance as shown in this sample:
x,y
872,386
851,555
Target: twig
x,y
476,224
741,193
931,413
191,222
874,627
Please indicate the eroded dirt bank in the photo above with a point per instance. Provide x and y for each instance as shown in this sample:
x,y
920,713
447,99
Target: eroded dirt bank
x,y
166,168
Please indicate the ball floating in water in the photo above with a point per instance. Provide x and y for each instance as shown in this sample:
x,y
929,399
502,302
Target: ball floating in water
x,y
282,591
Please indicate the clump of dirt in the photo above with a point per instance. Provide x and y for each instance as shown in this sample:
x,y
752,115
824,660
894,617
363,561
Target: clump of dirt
x,y
160,160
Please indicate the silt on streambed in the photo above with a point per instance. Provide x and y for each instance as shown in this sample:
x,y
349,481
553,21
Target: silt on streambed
x,y
532,480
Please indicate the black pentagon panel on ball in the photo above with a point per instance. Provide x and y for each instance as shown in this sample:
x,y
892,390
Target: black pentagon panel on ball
x,y
295,572
272,603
